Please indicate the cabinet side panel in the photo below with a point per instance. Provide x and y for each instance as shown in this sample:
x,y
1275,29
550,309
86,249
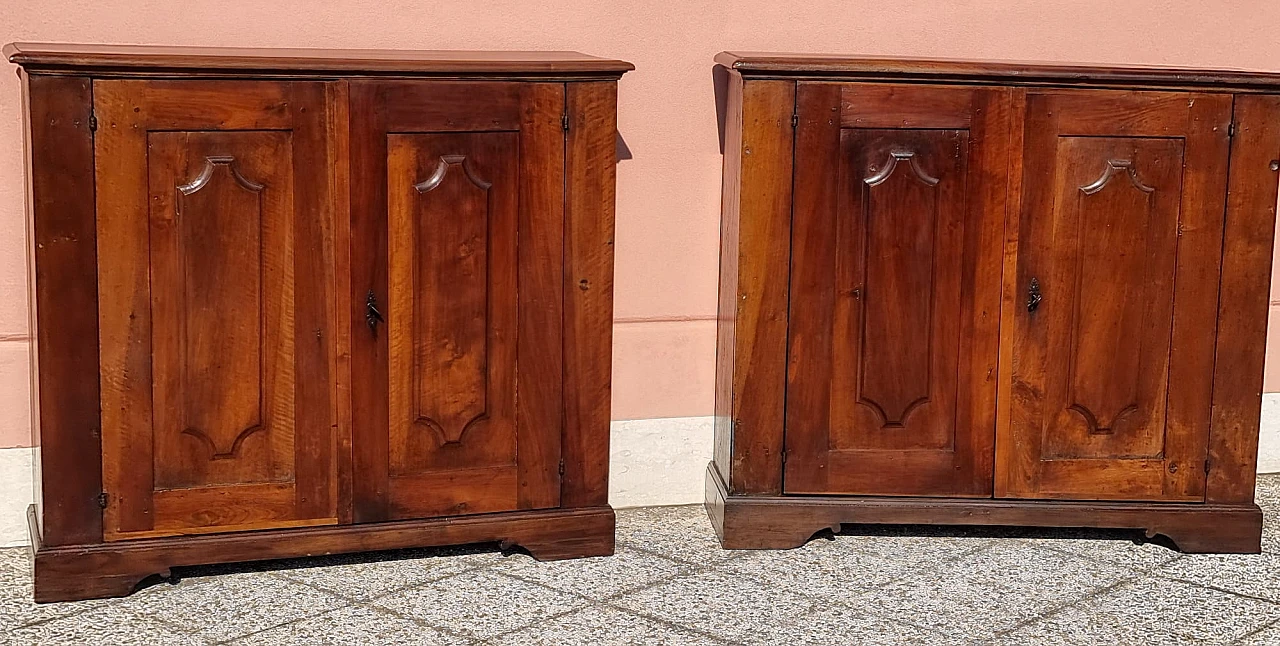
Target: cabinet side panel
x,y
65,308
727,308
1243,300
33,349
764,256
590,173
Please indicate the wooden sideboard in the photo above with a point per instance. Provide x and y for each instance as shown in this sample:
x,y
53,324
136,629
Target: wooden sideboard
x,y
992,293
284,301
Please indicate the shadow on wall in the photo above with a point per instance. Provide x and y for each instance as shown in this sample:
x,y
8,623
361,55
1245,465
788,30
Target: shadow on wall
x,y
720,81
623,153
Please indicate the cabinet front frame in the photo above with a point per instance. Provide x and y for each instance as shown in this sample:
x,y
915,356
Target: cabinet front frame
x,y
64,297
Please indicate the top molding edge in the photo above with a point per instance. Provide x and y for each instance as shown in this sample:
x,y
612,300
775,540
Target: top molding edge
x,y
1000,72
133,59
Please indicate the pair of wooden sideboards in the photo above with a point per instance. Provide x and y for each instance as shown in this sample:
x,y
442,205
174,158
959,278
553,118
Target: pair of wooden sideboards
x,y
1006,294
301,302
296,302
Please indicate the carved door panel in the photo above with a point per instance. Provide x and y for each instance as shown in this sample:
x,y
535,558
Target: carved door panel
x,y
1116,294
895,289
213,218
458,210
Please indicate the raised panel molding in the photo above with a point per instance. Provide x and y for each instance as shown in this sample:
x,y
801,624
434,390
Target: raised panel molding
x,y
213,162
1101,219
1115,167
1104,419
878,177
442,169
1109,297
212,447
899,232
190,244
456,400
221,310
890,269
451,311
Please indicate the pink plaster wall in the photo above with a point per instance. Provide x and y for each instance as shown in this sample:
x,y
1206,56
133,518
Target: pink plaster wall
x,y
669,193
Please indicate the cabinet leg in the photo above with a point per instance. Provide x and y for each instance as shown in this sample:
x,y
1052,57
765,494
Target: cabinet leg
x,y
66,576
758,537
760,527
562,549
87,585
586,536
559,551
1234,534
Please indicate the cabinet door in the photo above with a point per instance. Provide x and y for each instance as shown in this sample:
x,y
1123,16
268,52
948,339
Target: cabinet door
x,y
215,305
895,289
1116,294
458,222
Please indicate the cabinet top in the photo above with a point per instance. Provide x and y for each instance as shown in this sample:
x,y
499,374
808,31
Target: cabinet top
x,y
769,64
55,58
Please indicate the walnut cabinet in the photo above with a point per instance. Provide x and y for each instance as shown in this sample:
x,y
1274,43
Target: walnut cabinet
x,y
296,302
992,293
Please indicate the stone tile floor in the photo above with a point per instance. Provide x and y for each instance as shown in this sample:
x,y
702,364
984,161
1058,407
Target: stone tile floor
x,y
671,584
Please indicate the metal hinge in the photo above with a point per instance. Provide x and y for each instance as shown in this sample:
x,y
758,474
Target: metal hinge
x,y
562,466
564,122
102,500
93,122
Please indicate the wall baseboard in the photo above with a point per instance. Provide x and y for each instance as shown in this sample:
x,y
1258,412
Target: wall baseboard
x,y
16,494
652,462
655,462
1269,436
